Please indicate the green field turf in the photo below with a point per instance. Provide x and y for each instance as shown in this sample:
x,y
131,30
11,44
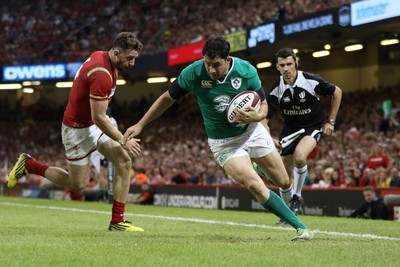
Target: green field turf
x,y
39,232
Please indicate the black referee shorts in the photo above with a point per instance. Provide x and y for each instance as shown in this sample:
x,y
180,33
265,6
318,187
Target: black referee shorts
x,y
290,138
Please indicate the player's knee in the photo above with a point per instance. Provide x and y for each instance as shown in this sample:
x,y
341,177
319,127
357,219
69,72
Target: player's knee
x,y
283,183
300,159
124,164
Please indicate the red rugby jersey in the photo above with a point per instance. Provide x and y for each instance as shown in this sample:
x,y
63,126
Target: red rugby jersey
x,y
96,80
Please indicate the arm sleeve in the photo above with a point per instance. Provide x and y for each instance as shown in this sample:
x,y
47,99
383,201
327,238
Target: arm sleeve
x,y
100,83
359,212
176,91
272,99
261,93
324,87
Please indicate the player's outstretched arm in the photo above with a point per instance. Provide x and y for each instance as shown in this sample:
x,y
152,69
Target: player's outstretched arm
x,y
159,107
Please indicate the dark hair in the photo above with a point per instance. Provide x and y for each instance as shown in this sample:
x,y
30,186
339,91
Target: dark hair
x,y
286,52
127,41
369,188
216,46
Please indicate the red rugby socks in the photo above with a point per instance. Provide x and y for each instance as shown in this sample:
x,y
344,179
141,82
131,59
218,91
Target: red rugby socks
x,y
118,211
35,167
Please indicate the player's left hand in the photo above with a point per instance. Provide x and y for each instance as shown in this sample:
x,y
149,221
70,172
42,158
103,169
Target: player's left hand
x,y
248,115
132,132
328,129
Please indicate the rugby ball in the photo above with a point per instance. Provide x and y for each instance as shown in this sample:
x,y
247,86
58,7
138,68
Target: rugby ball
x,y
242,101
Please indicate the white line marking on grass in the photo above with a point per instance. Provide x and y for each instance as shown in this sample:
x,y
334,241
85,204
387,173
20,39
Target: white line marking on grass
x,y
196,220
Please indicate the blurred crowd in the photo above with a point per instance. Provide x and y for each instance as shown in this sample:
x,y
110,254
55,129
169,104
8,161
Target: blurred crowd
x,y
364,150
44,31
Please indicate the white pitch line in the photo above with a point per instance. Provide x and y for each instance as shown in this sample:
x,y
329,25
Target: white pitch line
x,y
196,220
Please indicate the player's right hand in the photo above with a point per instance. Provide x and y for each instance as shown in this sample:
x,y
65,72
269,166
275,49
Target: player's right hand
x,y
132,131
277,144
133,147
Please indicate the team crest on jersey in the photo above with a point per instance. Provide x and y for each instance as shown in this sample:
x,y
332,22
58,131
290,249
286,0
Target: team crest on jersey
x,y
302,96
206,84
236,82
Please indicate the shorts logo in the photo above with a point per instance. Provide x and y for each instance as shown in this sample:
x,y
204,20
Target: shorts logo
x,y
206,84
236,82
221,159
76,149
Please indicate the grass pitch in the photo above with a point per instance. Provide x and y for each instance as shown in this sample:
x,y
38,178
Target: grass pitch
x,y
38,232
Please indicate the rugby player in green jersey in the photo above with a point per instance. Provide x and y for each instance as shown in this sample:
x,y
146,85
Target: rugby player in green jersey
x,y
214,81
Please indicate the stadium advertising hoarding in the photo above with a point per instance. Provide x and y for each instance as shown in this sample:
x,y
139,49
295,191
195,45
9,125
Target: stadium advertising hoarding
x,y
181,196
192,52
332,19
72,68
34,72
308,24
368,11
238,40
186,53
317,202
321,202
262,33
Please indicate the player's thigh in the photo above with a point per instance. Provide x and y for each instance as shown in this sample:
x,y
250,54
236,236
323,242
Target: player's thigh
x,y
241,169
114,152
78,174
273,166
304,148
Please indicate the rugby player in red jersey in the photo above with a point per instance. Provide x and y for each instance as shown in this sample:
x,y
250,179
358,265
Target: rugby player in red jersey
x,y
86,127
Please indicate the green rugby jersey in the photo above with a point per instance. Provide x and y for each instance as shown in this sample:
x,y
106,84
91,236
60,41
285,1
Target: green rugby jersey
x,y
213,97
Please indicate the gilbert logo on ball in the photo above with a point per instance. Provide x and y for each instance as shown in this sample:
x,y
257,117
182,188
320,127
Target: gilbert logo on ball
x,y
242,100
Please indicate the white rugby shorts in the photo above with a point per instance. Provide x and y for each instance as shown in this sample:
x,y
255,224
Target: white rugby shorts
x,y
255,142
79,143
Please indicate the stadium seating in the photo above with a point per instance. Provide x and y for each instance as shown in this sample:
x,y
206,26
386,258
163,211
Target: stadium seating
x,y
167,152
42,31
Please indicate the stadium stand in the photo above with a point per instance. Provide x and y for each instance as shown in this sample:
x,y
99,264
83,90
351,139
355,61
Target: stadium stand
x,y
167,152
43,31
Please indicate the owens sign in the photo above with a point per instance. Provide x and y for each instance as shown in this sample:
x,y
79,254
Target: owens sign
x,y
34,72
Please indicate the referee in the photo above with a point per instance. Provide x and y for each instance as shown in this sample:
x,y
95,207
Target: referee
x,y
297,95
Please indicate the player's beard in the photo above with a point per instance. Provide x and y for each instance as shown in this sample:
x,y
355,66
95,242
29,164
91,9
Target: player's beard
x,y
122,68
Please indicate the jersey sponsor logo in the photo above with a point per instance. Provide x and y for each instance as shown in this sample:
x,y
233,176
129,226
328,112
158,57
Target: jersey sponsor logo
x,y
206,84
236,82
222,103
296,111
302,96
